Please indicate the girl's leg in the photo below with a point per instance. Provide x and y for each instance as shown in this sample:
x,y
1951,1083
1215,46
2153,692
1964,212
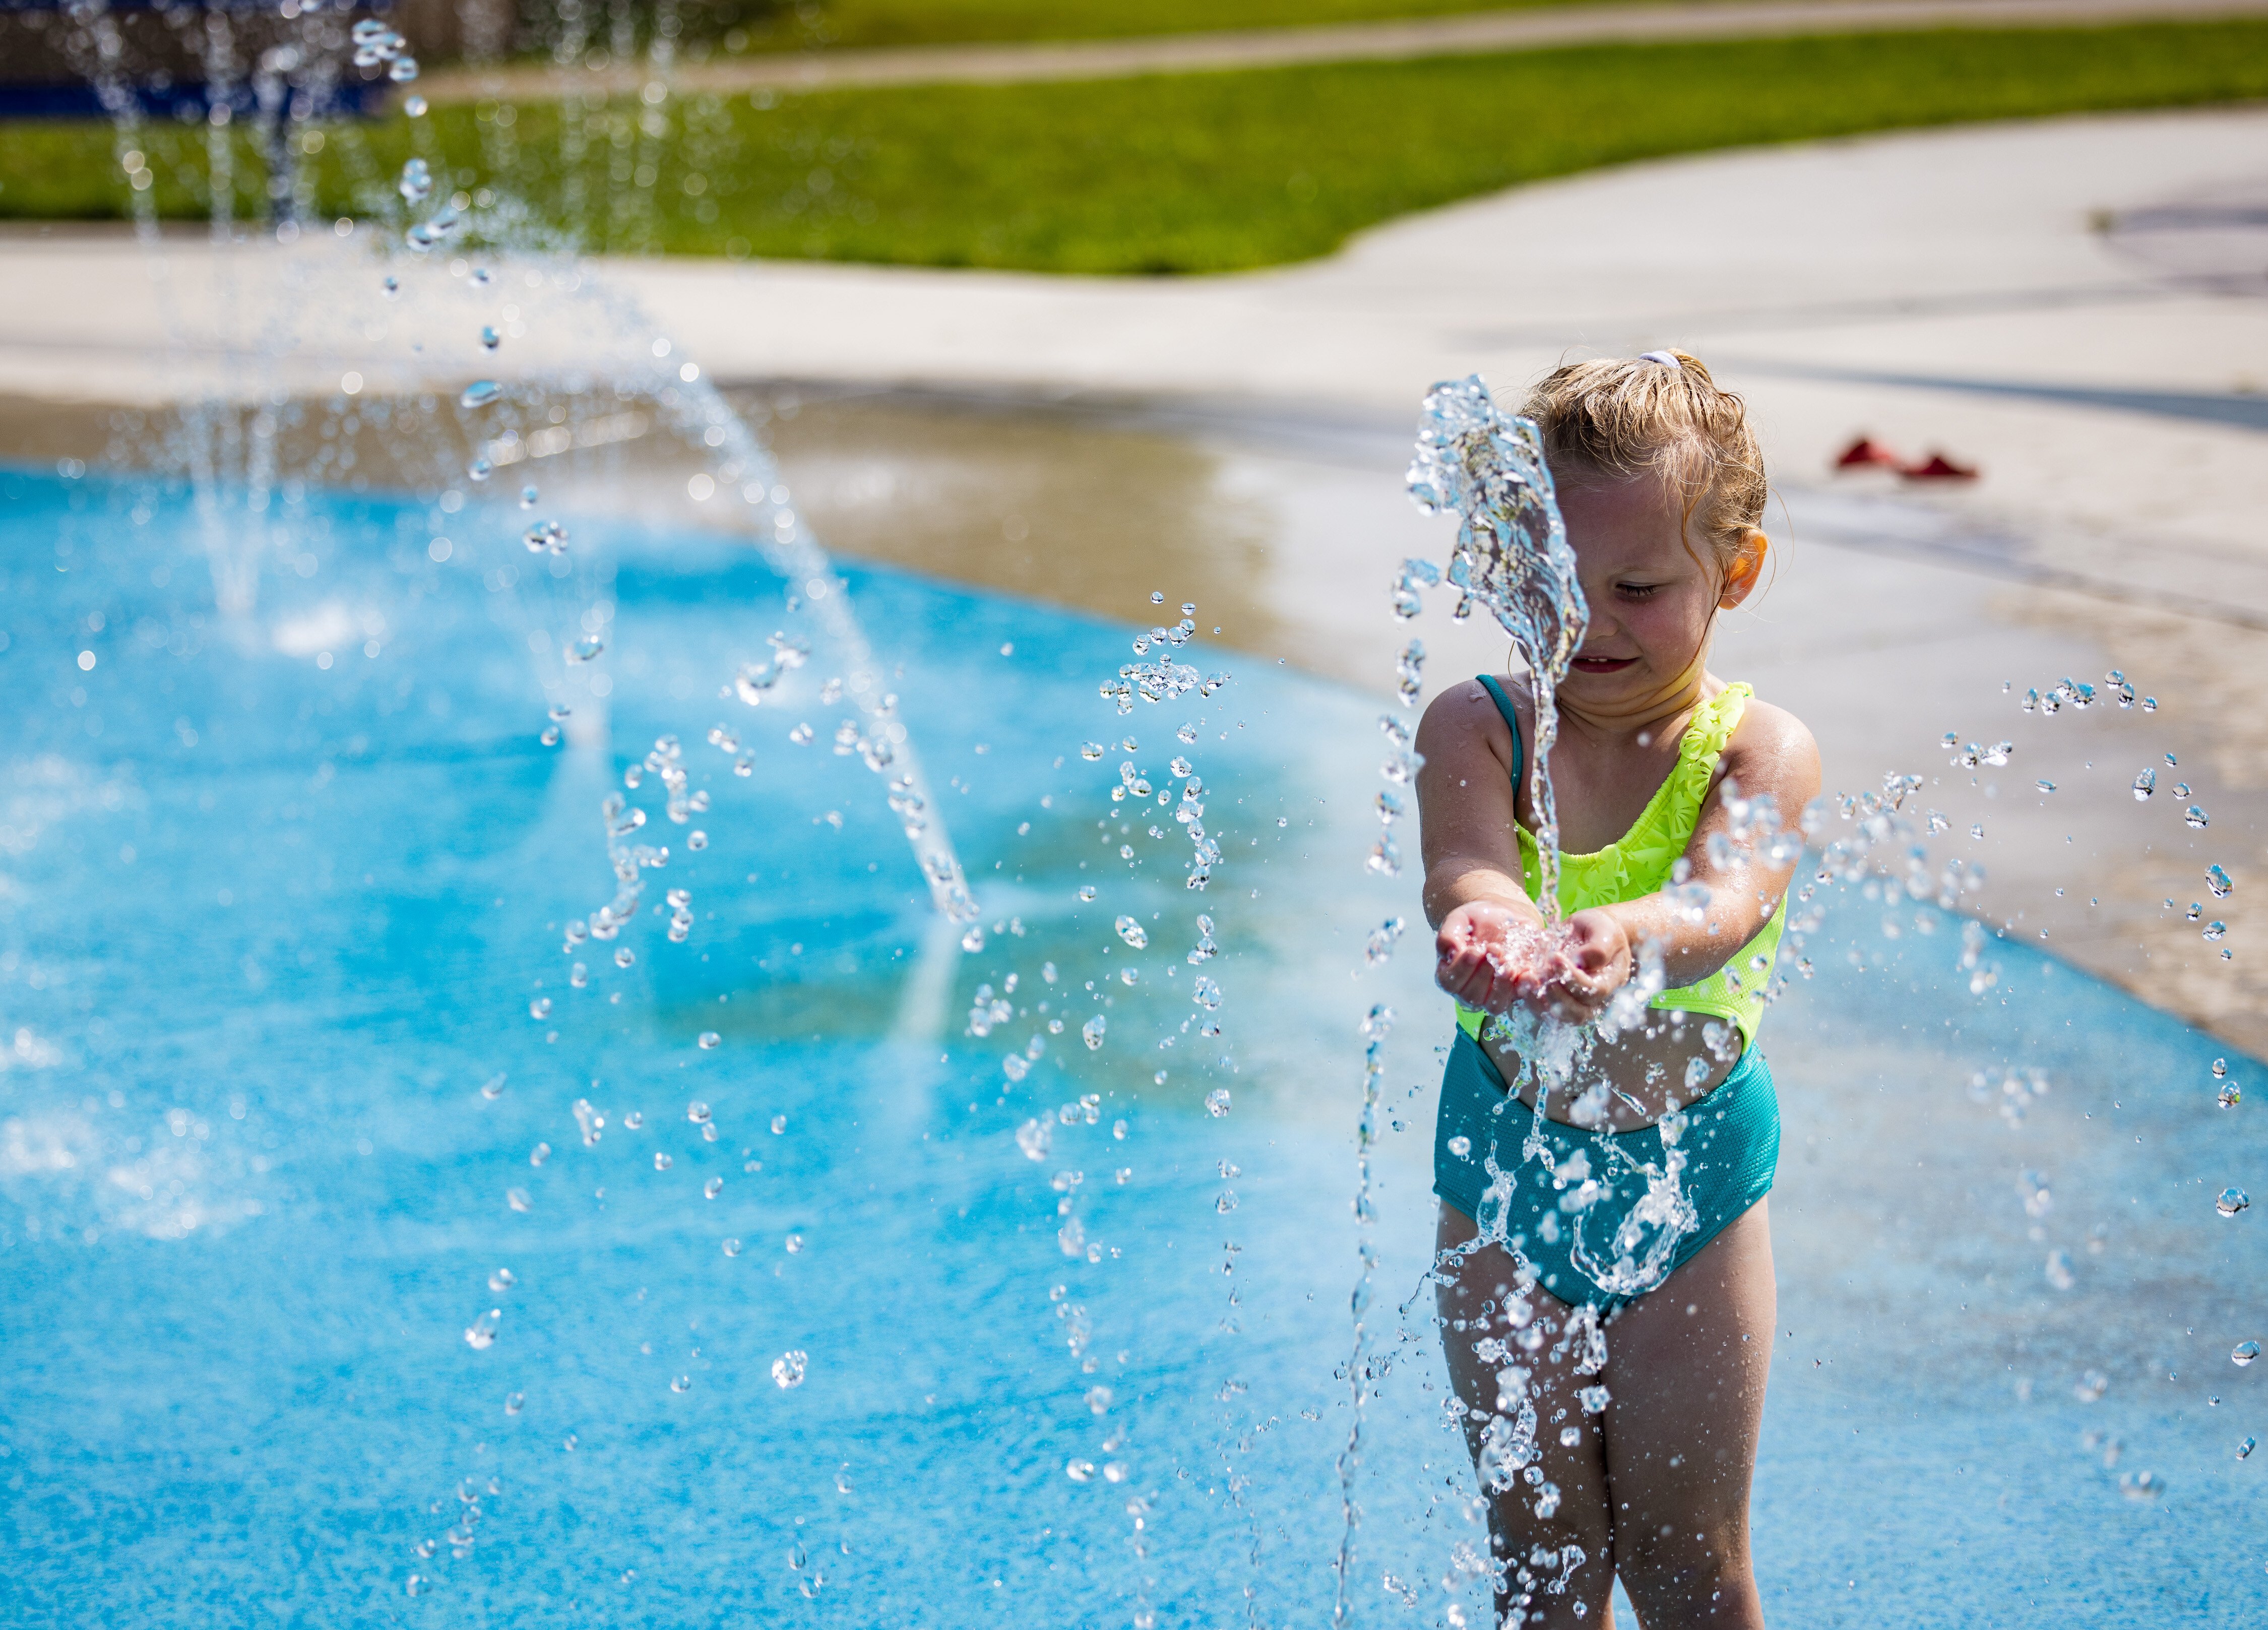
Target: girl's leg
x,y
1686,1365
1573,1548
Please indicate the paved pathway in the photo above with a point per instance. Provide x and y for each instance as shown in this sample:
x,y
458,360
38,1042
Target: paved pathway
x,y
1441,36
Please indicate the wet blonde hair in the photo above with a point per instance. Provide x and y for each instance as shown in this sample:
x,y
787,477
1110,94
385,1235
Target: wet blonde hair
x,y
1659,413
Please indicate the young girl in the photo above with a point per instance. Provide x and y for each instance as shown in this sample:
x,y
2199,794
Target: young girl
x,y
1646,1391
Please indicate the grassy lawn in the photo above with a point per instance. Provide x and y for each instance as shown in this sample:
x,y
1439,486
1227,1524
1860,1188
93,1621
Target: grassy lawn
x,y
1195,172
939,22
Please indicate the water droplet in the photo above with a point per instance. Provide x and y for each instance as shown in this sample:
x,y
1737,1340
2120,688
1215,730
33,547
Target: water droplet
x,y
415,184
502,1279
779,1125
1380,944
2244,1449
514,1402
2141,1485
540,1008
2194,817
586,649
2144,784
794,1243
788,1370
1091,1032
624,956
731,1247
493,1087
662,1161
1205,992
2217,880
1132,932
710,1039
1217,1103
1087,893
480,393
527,498
1461,1145
415,108
713,1187
1090,750
545,535
2229,1098
480,469
481,1334
2045,786
2231,1200
681,1383
1078,1471
2090,1386
2244,1353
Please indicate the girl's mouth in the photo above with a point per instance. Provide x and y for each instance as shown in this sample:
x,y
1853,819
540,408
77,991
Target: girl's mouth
x,y
1602,665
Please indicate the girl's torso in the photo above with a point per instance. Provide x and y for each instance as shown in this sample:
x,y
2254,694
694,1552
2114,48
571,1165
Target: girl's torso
x,y
1630,855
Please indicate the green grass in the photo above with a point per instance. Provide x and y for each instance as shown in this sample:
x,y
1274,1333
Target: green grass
x,y
850,23
1207,172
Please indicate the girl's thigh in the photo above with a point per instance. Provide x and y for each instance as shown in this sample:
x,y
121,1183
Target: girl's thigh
x,y
1686,1368
1571,1547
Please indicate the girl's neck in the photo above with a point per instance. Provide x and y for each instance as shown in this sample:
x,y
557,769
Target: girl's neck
x,y
1651,719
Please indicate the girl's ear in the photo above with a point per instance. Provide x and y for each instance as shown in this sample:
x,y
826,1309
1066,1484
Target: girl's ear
x,y
1747,569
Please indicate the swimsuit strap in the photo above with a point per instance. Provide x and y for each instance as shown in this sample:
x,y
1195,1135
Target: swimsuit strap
x,y
1504,706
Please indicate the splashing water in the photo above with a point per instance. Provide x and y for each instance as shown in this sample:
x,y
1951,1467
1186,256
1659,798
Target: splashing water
x,y
1511,554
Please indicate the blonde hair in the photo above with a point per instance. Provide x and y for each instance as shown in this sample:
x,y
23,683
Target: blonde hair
x,y
1658,414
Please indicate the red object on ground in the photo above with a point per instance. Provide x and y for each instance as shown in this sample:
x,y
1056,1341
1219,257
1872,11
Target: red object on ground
x,y
1937,467
1865,454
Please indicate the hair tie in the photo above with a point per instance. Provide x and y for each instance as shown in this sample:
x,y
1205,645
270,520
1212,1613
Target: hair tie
x,y
1662,357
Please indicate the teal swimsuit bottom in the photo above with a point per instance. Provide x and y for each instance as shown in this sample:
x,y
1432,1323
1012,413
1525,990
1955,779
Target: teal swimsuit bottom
x,y
1731,1143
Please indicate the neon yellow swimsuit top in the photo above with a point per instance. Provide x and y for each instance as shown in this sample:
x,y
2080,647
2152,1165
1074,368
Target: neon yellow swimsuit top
x,y
1638,864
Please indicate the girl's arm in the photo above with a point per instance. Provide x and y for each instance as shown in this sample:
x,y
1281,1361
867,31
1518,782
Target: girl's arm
x,y
1489,940
1771,752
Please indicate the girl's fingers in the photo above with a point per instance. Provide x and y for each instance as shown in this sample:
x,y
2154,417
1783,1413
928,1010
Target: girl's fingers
x,y
1464,979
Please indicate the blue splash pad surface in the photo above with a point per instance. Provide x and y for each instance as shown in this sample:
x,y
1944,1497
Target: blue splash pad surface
x,y
251,1194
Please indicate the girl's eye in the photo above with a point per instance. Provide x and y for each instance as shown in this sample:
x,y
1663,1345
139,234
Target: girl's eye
x,y
1637,591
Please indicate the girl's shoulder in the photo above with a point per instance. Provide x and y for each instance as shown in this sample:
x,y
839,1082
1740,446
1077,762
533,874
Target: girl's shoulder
x,y
1467,714
1769,738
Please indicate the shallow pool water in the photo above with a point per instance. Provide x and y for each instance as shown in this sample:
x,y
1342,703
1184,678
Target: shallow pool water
x,y
270,927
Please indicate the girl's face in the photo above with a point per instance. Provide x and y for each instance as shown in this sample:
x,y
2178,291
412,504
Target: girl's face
x,y
1653,593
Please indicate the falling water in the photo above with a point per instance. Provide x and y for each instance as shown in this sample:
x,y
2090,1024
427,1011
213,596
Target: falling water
x,y
1512,556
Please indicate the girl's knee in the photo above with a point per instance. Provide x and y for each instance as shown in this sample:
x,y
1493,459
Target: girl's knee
x,y
1694,1572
